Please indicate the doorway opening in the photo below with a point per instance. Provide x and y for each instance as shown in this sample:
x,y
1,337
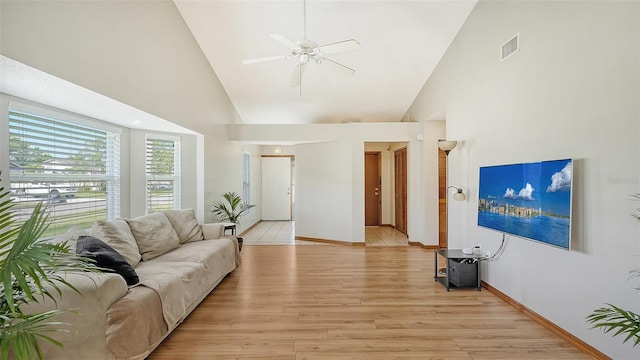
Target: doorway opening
x,y
385,193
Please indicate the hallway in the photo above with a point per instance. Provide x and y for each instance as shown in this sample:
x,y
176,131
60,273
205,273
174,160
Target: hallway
x,y
283,233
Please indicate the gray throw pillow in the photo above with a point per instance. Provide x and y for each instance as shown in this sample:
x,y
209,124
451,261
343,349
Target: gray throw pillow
x,y
106,257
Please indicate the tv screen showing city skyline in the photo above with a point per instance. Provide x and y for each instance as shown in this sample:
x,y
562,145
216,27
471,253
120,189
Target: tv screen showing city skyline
x,y
529,200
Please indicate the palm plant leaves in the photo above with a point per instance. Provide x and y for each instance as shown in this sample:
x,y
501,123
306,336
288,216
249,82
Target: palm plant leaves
x,y
232,209
614,318
22,335
31,269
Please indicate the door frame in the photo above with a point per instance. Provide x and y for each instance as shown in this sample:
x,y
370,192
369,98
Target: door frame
x,y
378,154
404,196
291,186
443,226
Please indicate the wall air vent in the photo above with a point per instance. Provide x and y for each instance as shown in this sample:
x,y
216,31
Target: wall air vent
x,y
510,48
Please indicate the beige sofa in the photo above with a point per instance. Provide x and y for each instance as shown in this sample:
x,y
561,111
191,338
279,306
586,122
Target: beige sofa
x,y
178,262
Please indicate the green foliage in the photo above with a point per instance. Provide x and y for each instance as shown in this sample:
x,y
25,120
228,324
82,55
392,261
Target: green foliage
x,y
28,156
231,209
30,270
160,157
612,318
91,158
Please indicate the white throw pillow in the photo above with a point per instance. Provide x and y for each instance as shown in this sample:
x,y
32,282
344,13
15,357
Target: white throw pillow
x,y
71,237
154,235
185,224
116,234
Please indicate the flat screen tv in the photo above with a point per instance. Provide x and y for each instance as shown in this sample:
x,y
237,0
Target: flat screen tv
x,y
528,200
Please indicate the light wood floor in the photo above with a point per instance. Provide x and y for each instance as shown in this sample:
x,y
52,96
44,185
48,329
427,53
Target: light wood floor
x,y
351,302
284,233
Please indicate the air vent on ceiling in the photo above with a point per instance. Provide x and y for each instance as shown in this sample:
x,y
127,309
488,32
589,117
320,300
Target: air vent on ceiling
x,y
510,48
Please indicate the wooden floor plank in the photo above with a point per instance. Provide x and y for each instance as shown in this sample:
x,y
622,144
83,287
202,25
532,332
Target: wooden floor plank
x,y
348,302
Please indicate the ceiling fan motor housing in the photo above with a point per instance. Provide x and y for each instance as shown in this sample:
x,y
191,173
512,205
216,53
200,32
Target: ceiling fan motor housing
x,y
307,50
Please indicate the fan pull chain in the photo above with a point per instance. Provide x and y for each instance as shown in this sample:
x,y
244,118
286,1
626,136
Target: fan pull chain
x,y
305,19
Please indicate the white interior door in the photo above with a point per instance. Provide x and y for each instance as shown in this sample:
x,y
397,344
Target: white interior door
x,y
276,188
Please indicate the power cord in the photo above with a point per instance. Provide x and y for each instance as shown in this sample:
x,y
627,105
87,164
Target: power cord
x,y
498,252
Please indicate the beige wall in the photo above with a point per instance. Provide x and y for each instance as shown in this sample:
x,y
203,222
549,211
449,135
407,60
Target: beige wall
x,y
571,92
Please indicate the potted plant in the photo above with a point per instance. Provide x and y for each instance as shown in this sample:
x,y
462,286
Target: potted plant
x,y
613,318
231,209
31,269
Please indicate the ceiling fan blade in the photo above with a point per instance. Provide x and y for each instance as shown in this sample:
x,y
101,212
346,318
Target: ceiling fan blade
x,y
263,59
285,40
339,68
296,76
346,45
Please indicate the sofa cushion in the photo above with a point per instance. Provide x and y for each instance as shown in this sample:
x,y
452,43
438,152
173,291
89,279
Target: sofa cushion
x,y
70,237
210,253
179,285
185,224
117,234
106,257
154,235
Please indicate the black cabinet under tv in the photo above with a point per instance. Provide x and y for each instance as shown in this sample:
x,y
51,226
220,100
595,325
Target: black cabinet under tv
x,y
461,270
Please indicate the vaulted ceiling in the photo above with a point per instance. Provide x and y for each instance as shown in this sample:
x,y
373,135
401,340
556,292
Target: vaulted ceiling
x,y
401,42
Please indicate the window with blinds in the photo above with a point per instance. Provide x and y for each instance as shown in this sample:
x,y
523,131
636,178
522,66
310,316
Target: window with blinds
x,y
163,174
74,169
246,178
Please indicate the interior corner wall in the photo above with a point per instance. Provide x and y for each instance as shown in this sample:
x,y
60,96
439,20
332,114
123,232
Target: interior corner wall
x,y
148,60
570,92
223,171
433,131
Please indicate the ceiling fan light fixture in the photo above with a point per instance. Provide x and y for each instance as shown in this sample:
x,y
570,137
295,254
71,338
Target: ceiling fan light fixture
x,y
305,50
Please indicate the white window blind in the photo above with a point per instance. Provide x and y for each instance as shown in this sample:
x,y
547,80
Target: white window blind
x,y
73,168
163,174
246,178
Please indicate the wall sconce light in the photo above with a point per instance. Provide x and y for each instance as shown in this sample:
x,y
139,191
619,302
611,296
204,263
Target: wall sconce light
x,y
278,149
459,195
447,146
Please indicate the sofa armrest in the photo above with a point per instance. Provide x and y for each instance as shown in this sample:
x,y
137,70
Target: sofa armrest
x,y
87,318
212,230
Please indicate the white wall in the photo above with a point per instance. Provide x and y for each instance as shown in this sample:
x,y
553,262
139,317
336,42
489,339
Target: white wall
x,y
433,131
278,150
323,191
140,53
571,91
223,173
329,174
329,144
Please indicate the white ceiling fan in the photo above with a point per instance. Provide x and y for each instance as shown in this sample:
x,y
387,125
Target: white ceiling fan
x,y
306,51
